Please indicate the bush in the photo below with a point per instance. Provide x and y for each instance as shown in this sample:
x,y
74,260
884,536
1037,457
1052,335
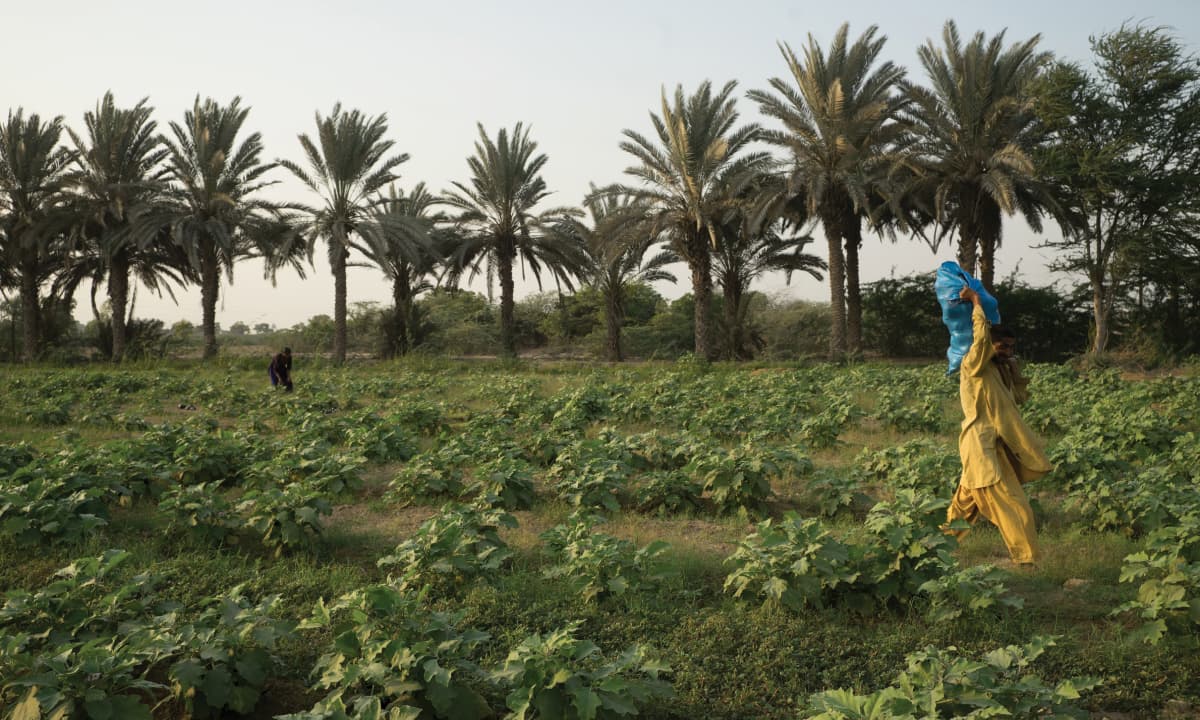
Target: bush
x,y
794,562
452,548
556,676
944,684
598,565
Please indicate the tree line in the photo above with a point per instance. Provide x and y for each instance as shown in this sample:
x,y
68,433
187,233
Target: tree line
x,y
1111,155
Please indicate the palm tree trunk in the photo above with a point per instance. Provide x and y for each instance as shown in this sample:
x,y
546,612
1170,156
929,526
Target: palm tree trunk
x,y
338,265
968,234
837,287
30,310
989,240
118,299
210,287
732,295
701,267
853,291
508,332
402,306
1100,313
612,322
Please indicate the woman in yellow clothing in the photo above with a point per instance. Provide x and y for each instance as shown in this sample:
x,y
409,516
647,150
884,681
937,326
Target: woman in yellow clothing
x,y
999,451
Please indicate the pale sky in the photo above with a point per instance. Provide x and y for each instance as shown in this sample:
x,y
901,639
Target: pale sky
x,y
577,73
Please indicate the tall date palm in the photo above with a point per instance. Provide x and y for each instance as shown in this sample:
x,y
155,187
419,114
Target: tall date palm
x,y
211,208
691,172
350,165
838,112
34,170
615,247
972,134
499,225
409,250
119,174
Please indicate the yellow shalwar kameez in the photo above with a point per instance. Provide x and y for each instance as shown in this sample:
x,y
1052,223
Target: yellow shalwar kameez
x,y
999,451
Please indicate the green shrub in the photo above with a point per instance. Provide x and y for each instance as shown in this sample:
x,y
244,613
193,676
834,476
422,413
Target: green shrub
x,y
453,548
598,565
943,684
558,677
794,562
389,650
969,592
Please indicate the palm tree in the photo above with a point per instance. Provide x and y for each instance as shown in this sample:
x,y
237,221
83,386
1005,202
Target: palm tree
x,y
753,244
33,175
972,132
408,249
118,175
615,248
499,226
209,209
838,115
349,167
691,173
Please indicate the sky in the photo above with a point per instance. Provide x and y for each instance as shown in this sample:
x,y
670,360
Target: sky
x,y
577,73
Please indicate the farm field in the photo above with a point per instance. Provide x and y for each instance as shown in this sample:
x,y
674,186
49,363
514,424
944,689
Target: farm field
x,y
453,540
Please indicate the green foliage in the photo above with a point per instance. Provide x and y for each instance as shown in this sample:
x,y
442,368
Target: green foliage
x,y
285,517
425,477
389,651
14,456
505,481
912,406
202,509
968,591
96,678
315,464
227,656
740,479
833,491
901,318
943,684
668,492
453,548
593,473
924,466
52,503
83,645
558,677
1169,572
598,565
794,562
907,545
822,429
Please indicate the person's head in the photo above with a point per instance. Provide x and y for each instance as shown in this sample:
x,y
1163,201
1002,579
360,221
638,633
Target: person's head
x,y
287,351
1004,340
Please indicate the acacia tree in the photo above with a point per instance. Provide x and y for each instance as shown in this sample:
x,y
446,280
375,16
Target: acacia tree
x,y
409,250
972,132
498,225
615,248
349,165
210,208
838,111
33,175
118,175
691,173
1123,156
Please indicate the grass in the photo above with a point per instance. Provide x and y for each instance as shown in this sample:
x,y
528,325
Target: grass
x,y
730,659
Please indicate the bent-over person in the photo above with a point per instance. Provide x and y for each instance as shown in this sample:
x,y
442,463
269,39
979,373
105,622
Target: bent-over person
x,y
280,370
999,452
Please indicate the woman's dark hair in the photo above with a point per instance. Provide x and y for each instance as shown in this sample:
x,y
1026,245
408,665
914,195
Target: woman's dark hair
x,y
287,351
1002,332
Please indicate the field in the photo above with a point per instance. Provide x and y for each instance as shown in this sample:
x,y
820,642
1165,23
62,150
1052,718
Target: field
x,y
461,541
